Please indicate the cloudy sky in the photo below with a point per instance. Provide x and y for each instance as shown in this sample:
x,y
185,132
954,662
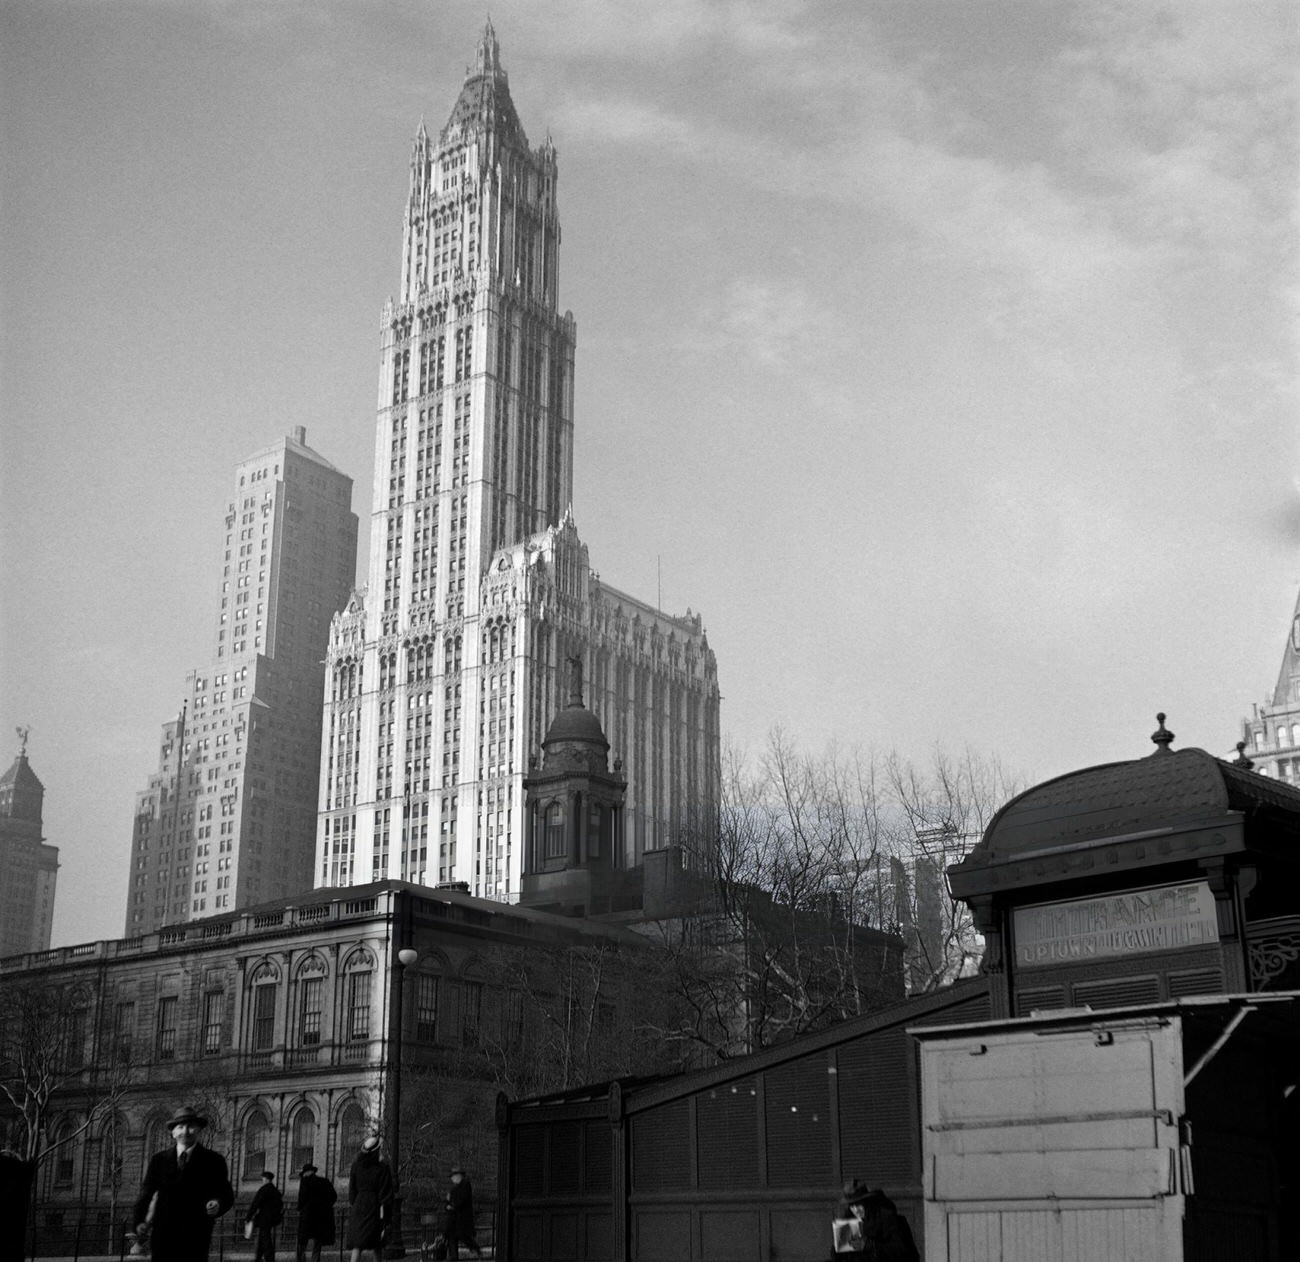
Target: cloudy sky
x,y
942,353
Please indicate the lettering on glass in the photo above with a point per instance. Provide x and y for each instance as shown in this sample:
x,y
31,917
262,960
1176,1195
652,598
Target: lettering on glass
x,y
1132,923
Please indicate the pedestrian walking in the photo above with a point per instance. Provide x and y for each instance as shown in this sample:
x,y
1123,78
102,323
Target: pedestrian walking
x,y
186,1189
458,1221
265,1214
316,1197
370,1201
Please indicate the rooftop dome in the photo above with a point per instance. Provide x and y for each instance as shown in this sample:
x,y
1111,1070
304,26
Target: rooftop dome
x,y
576,723
575,740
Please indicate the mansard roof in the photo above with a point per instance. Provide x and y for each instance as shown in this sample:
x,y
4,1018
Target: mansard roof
x,y
484,99
1121,801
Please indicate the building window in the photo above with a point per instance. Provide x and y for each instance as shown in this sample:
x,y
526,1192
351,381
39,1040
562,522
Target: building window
x,y
426,1008
352,1130
359,1005
74,1043
256,1132
167,1028
304,1138
311,992
124,1029
65,1157
212,1006
555,831
112,1157
263,1017
472,1013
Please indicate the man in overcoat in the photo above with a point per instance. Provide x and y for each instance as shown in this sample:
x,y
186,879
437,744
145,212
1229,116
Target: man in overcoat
x,y
316,1197
186,1189
265,1214
458,1224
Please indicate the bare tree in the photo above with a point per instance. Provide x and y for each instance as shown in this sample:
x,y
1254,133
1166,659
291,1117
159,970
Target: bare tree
x,y
47,1071
944,808
784,936
810,860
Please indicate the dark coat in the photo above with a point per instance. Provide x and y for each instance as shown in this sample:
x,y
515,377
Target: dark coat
x,y
370,1196
316,1197
459,1220
267,1208
181,1225
886,1237
16,1176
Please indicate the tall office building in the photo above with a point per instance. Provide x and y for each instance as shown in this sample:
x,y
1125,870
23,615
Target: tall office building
x,y
444,677
229,817
29,866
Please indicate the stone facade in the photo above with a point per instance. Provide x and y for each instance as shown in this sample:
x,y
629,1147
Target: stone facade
x,y
228,819
444,674
298,1031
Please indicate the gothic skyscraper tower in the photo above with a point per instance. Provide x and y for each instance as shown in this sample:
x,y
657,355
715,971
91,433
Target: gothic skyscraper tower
x,y
444,674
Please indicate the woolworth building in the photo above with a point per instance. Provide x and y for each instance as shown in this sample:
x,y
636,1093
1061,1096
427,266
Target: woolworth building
x,y
444,673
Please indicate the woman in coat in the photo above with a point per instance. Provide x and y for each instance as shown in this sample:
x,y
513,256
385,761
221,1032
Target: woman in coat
x,y
370,1201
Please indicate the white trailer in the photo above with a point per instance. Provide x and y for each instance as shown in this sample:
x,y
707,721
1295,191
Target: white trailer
x,y
1080,1136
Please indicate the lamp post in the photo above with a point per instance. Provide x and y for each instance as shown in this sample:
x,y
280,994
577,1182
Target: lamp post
x,y
396,1246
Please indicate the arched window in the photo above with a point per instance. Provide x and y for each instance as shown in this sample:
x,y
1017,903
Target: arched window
x,y
311,1002
428,994
358,975
257,1133
156,1136
353,1128
304,1138
262,1008
65,1151
112,1150
555,831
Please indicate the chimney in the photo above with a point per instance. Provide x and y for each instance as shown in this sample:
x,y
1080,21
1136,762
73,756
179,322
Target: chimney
x,y
299,435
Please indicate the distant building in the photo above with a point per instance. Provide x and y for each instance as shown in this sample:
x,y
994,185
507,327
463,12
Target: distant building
x,y
445,673
1272,732
29,866
942,943
228,819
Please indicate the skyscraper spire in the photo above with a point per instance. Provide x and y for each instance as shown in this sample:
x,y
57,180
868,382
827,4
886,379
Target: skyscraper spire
x,y
487,58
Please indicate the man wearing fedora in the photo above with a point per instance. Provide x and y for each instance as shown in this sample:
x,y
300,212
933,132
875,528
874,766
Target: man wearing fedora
x,y
316,1197
186,1189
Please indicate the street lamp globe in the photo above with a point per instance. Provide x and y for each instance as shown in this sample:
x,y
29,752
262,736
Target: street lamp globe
x,y
407,956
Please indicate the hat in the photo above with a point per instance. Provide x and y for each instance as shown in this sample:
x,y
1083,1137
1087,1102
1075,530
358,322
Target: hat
x,y
189,1117
370,1143
855,1192
268,1174
456,1170
307,1169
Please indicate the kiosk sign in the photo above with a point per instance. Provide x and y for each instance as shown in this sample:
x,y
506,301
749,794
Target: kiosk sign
x,y
1131,923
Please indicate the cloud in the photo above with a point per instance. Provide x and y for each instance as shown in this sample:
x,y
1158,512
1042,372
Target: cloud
x,y
777,325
